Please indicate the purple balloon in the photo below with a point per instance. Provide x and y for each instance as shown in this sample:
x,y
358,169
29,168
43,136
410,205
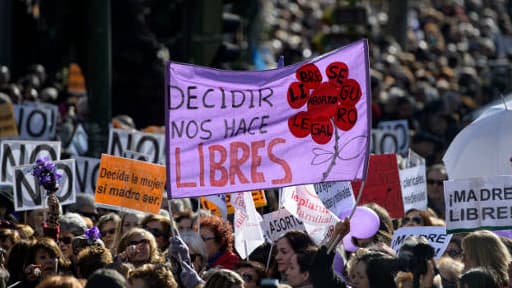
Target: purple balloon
x,y
348,245
364,223
338,265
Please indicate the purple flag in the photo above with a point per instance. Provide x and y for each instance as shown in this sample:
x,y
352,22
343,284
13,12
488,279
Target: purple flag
x,y
232,131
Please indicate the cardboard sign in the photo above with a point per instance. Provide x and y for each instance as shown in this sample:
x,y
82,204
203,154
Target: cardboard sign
x,y
414,188
28,194
336,196
384,141
382,185
277,223
36,121
8,126
436,236
130,184
86,174
16,153
402,129
230,131
152,145
478,203
79,144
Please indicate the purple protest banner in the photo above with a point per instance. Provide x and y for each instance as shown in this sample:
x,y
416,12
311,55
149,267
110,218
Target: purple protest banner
x,y
230,131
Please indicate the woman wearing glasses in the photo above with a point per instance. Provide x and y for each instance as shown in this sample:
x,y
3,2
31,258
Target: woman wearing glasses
x,y
138,247
71,225
415,217
107,225
218,237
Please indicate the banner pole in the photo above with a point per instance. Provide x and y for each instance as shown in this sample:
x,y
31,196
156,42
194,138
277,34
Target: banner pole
x,y
199,217
332,245
269,257
246,251
174,231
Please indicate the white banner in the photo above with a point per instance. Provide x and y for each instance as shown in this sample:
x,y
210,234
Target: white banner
x,y
86,174
36,121
303,203
248,233
414,188
16,153
478,203
152,145
336,196
277,223
28,194
384,142
402,129
436,236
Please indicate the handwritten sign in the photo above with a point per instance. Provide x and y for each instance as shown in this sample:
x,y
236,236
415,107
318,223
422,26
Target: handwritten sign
x,y
336,196
478,203
232,131
131,184
86,174
36,121
382,185
16,153
436,236
384,141
402,129
277,223
151,145
79,142
8,126
28,193
414,188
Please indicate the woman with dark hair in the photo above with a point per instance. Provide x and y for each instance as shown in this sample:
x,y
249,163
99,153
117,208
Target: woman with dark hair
x,y
372,269
44,259
289,244
218,238
297,274
478,277
414,217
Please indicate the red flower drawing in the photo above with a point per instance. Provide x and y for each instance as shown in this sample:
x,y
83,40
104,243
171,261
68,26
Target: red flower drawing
x,y
329,105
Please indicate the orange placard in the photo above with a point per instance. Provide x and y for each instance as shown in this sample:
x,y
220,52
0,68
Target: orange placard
x,y
76,80
8,126
126,183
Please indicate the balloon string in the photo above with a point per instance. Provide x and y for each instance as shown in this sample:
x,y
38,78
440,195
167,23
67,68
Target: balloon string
x,y
338,238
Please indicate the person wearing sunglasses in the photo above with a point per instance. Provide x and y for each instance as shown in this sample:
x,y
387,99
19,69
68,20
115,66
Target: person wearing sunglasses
x,y
415,217
107,225
436,174
138,247
160,227
252,273
71,225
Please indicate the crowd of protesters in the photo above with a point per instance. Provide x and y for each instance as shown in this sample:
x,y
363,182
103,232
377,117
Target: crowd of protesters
x,y
455,60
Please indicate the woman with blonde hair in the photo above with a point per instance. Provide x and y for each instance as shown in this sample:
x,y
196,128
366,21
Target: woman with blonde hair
x,y
485,249
138,247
